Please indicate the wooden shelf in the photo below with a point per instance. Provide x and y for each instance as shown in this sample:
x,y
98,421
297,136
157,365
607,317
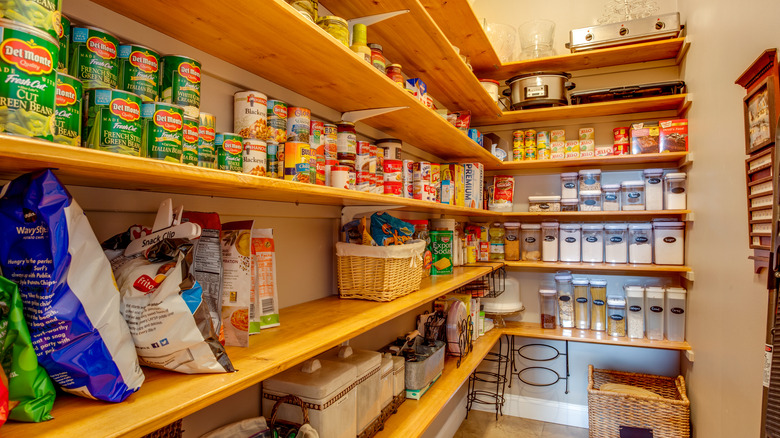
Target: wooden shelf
x,y
600,267
418,44
313,63
599,215
307,330
534,330
82,166
675,102
613,162
597,58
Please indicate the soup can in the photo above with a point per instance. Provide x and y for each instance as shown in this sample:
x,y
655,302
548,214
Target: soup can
x,y
42,15
67,119
276,120
180,83
330,136
339,177
408,176
189,145
64,56
271,160
207,148
329,164
393,188
621,142
317,145
296,161
112,121
320,177
298,124
393,171
93,58
230,150
139,71
255,156
163,130
250,112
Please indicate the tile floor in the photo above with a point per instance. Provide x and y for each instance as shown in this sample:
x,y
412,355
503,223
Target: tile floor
x,y
484,425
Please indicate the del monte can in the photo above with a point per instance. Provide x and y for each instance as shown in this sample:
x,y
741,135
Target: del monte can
x,y
139,71
189,146
67,121
28,76
113,121
163,130
94,57
40,14
180,83
64,40
230,150
207,150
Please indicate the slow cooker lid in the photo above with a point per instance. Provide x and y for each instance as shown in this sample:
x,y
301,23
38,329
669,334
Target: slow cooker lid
x,y
538,73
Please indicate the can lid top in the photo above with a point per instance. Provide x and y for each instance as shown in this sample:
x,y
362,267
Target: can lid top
x,y
344,122
332,18
389,140
375,46
394,65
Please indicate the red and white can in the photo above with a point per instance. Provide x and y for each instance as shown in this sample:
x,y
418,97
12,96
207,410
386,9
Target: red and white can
x,y
421,179
329,164
394,188
339,177
621,141
408,178
393,171
329,135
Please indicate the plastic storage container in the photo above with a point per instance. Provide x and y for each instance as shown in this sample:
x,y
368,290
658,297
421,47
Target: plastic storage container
x,y
565,300
550,241
548,307
610,197
570,242
632,195
598,305
674,191
570,204
635,311
675,314
531,244
581,303
640,243
544,203
369,386
593,243
512,241
569,185
496,241
386,381
616,243
654,313
590,200
616,316
669,243
590,179
324,383
654,189
399,377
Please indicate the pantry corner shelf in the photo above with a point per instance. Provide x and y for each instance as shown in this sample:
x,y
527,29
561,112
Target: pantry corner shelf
x,y
601,267
601,215
613,162
306,330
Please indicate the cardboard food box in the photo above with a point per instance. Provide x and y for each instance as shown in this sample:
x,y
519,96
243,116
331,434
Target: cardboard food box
x,y
645,138
673,135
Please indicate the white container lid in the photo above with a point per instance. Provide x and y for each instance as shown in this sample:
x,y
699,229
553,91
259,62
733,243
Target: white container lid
x,y
570,227
610,187
590,172
569,175
580,281
678,292
634,291
549,198
314,379
679,175
365,361
549,224
570,201
511,224
615,301
563,277
618,227
598,282
530,226
633,184
655,292
640,226
653,172
592,227
590,193
668,224
548,292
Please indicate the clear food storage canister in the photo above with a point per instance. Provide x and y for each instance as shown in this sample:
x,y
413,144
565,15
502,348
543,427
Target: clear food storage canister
x,y
616,316
616,243
598,304
569,185
590,179
590,200
654,189
654,313
640,243
675,314
570,204
633,195
610,200
550,241
565,300
669,243
581,303
674,191
531,242
593,243
512,241
548,307
569,238
544,203
635,311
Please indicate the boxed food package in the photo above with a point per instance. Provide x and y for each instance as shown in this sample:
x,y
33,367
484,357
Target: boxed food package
x,y
473,175
460,120
558,135
435,192
418,89
236,281
645,138
673,135
264,311
475,135
557,150
572,149
503,193
441,244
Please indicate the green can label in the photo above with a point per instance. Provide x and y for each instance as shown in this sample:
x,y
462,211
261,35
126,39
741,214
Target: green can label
x,y
113,121
207,150
272,162
40,14
139,71
63,60
181,83
190,141
230,151
163,131
67,121
94,58
441,246
27,82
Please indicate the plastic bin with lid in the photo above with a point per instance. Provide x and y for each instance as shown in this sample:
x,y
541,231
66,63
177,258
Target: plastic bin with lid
x,y
550,241
386,381
610,197
675,313
654,189
590,200
570,204
544,203
570,242
632,195
616,316
565,299
654,313
328,386
640,243
598,304
616,243
593,243
399,376
581,287
569,185
669,246
369,387
675,191
531,242
548,308
590,179
512,241
635,311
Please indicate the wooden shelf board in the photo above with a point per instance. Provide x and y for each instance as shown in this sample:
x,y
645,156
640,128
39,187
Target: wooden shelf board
x,y
258,40
599,267
598,215
597,58
535,330
663,160
88,167
307,329
675,102
415,41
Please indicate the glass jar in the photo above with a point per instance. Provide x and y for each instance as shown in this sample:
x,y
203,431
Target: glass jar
x,y
674,191
581,306
654,313
598,304
565,300
337,27
669,243
590,200
633,195
512,241
569,185
307,8
378,57
616,243
654,190
635,311
531,235
547,308
497,241
640,243
616,316
570,204
346,141
393,71
610,200
590,179
569,238
550,241
675,314
593,243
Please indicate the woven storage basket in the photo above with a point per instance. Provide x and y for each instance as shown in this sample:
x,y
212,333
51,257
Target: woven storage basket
x,y
172,430
378,273
668,417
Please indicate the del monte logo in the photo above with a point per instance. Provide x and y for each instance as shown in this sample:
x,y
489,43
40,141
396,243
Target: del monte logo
x,y
190,133
167,120
126,110
102,47
232,146
189,71
280,111
28,57
206,133
146,62
66,94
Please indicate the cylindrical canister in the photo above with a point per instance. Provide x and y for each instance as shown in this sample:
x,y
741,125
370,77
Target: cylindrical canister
x,y
229,151
272,162
346,141
112,121
250,114
296,161
276,121
339,177
408,178
298,124
163,130
180,83
330,137
189,144
254,159
207,150
94,57
518,145
67,119
139,71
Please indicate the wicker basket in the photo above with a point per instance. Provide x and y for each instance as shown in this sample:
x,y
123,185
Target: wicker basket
x,y
172,430
609,411
378,273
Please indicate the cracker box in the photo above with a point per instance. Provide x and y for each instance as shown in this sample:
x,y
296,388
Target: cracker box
x,y
441,245
473,175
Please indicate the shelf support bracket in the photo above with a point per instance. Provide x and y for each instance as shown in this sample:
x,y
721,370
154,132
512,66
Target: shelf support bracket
x,y
368,20
348,213
356,116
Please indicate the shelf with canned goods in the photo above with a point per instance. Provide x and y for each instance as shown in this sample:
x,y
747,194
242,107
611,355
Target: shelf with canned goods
x,y
307,329
612,162
312,63
602,267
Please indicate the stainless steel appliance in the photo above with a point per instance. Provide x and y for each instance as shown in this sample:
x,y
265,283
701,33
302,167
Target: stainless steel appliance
x,y
626,32
539,89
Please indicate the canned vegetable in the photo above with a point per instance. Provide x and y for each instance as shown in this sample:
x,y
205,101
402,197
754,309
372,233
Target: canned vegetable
x,y
163,124
67,120
113,121
139,71
189,144
180,83
94,57
229,152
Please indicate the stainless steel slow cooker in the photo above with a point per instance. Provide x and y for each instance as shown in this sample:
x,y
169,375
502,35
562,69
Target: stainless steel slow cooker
x,y
542,88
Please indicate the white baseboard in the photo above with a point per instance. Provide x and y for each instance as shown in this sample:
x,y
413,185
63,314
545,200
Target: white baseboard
x,y
542,410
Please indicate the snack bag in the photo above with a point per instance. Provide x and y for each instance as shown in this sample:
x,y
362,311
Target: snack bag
x,y
71,302
264,312
388,230
237,287
3,398
30,391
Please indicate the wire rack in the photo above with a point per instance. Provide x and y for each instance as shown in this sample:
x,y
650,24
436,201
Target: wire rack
x,y
488,286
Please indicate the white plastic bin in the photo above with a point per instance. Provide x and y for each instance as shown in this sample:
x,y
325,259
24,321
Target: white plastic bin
x,y
616,243
569,185
593,243
368,363
570,239
669,245
654,313
633,195
550,241
675,313
610,200
675,191
635,311
654,189
640,243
